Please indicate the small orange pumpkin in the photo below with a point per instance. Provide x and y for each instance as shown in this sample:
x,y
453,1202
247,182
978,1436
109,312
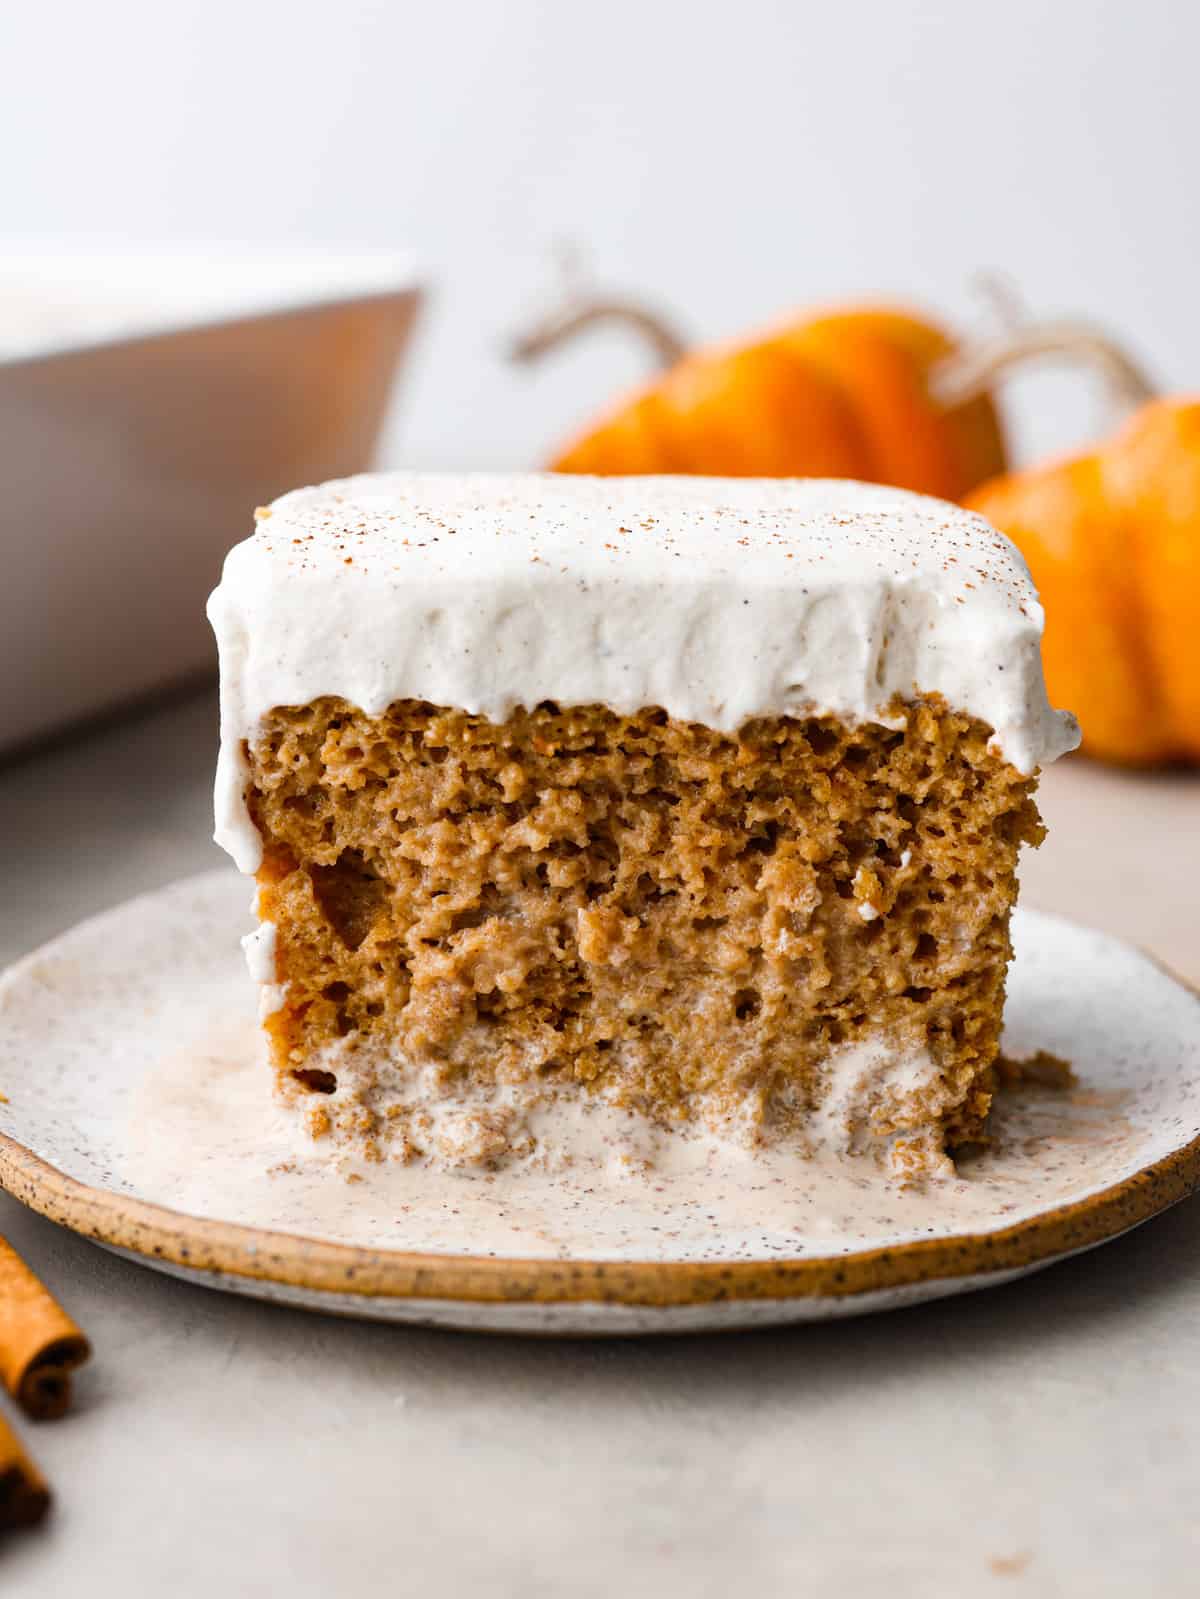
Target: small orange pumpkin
x,y
847,394
1113,541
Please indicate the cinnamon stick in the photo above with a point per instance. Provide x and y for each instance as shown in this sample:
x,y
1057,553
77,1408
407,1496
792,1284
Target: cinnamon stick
x,y
40,1346
24,1496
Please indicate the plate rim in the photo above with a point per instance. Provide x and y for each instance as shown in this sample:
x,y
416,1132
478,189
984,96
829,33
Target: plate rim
x,y
159,1234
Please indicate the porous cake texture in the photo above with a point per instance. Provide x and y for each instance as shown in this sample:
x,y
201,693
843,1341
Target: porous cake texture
x,y
763,893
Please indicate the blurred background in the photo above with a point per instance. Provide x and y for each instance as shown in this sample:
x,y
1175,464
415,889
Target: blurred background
x,y
727,163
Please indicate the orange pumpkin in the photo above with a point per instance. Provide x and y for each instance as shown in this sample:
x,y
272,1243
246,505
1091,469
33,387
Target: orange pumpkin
x,y
1113,542
848,394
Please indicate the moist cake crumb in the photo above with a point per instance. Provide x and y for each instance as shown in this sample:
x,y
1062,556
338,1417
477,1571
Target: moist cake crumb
x,y
661,914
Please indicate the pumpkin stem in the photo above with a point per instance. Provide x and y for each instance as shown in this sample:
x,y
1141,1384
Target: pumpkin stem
x,y
1000,296
578,309
973,370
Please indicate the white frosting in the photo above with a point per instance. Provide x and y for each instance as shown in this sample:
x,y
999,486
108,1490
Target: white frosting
x,y
716,599
259,950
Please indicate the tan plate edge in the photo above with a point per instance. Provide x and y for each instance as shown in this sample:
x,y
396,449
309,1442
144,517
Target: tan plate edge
x,y
159,1234
199,1245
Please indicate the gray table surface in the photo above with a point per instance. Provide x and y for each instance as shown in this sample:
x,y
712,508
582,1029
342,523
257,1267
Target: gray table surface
x,y
1038,1439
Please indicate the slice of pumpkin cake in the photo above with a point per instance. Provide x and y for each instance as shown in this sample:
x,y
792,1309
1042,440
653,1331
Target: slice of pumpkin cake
x,y
695,797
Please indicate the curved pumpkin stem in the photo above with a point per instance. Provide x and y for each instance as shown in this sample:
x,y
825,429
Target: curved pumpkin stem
x,y
580,309
560,326
973,370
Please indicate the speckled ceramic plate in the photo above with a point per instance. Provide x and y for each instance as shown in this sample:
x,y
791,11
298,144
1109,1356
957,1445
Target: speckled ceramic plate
x,y
135,1111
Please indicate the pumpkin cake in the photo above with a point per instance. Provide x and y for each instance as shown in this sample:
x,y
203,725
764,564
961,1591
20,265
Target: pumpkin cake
x,y
697,798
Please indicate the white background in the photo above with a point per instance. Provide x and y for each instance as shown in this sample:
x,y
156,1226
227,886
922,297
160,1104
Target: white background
x,y
728,160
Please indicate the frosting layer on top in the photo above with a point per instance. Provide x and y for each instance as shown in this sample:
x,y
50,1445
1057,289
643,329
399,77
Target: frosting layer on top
x,y
716,599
